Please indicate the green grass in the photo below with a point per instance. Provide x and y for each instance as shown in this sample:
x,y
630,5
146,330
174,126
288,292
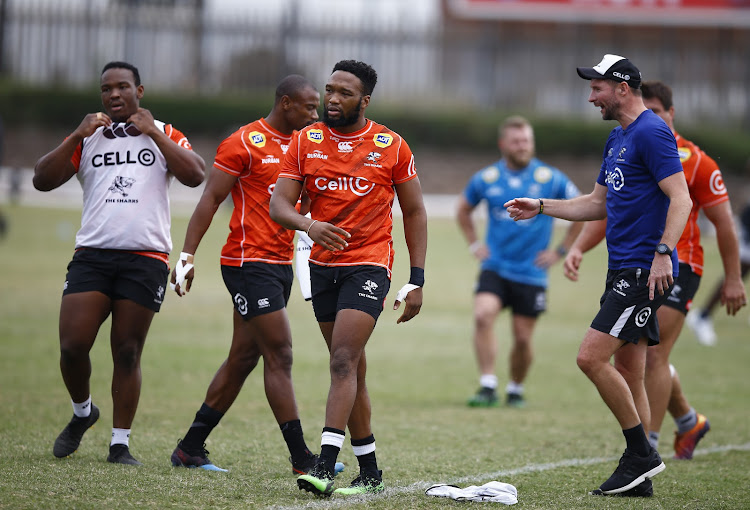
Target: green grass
x,y
564,443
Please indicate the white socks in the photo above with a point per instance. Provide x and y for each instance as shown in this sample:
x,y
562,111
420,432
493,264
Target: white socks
x,y
82,410
120,436
488,381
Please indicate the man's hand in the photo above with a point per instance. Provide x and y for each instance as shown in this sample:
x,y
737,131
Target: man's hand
x,y
522,208
572,263
660,278
144,121
183,274
733,295
412,296
328,236
91,123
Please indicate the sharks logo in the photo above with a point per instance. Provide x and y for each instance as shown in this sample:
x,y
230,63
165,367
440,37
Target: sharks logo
x,y
120,184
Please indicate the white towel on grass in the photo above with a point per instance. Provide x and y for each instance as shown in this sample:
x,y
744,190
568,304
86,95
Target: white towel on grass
x,y
495,492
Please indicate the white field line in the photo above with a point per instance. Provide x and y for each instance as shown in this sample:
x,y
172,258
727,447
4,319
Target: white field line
x,y
420,487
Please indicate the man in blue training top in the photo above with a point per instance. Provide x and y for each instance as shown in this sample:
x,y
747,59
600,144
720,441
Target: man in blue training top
x,y
642,192
515,256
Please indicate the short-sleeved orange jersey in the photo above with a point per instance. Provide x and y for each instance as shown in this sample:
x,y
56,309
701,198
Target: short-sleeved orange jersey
x,y
350,180
254,154
706,185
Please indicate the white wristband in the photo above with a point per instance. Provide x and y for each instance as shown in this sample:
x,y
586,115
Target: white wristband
x,y
473,247
182,268
405,290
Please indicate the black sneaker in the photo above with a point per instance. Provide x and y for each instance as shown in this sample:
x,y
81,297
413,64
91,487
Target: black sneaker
x,y
644,490
193,459
365,483
302,467
70,437
514,400
318,480
120,454
632,471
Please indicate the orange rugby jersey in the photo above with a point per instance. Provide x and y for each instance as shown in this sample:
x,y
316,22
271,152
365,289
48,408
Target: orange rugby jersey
x,y
350,180
707,189
254,154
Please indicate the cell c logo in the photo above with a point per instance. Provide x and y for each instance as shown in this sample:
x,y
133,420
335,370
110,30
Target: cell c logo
x,y
357,185
716,183
146,157
271,187
616,179
241,302
642,317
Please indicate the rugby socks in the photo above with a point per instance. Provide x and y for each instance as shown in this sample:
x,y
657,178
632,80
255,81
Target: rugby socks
x,y
120,436
686,421
292,432
205,421
514,388
653,439
488,381
331,442
82,410
636,440
364,449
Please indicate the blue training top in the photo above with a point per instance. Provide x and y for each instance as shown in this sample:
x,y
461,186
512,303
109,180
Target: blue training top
x,y
634,161
514,245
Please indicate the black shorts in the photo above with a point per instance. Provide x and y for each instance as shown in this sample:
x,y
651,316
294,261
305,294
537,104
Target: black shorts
x,y
337,288
684,290
626,312
118,275
523,299
258,288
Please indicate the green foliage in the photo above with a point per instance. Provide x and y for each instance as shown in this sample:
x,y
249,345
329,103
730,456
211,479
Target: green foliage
x,y
561,445
442,128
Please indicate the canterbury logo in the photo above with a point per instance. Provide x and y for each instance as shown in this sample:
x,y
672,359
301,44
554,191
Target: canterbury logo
x,y
120,130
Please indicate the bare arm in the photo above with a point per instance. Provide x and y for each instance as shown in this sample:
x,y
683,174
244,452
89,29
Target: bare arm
x,y
548,257
680,203
582,208
732,290
415,230
283,211
466,223
186,165
217,188
591,235
55,168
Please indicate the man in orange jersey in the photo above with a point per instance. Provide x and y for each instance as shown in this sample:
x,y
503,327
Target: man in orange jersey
x,y
125,161
256,266
351,168
708,192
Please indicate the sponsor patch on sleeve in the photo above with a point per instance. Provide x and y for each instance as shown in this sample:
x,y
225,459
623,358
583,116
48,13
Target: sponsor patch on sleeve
x,y
257,138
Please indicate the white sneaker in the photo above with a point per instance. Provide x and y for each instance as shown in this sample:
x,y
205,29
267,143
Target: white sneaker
x,y
703,328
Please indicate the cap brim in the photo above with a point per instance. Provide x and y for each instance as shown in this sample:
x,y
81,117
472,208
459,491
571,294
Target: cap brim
x,y
588,73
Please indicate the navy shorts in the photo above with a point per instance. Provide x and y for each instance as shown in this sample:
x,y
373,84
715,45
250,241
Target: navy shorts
x,y
626,311
684,290
258,288
337,288
523,299
118,275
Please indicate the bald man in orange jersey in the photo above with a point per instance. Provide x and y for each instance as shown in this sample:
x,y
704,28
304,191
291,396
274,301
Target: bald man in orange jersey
x,y
256,266
351,168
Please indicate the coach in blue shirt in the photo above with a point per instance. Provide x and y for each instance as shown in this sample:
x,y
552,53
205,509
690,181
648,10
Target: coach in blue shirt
x,y
515,256
642,192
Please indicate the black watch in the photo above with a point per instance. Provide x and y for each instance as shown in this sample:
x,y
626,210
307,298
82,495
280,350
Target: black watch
x,y
663,249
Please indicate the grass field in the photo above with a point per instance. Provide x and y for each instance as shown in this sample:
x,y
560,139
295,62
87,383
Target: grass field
x,y
564,443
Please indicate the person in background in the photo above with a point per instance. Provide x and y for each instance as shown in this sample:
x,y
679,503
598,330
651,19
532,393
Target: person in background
x,y
514,257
